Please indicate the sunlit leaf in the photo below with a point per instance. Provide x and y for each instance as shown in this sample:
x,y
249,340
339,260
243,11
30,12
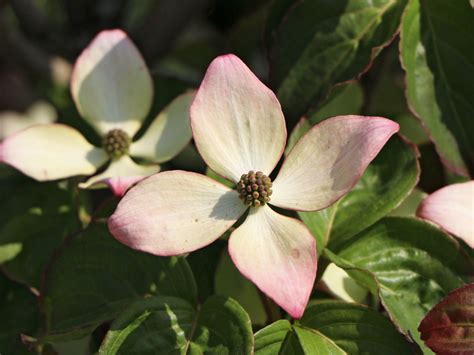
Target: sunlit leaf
x,y
410,264
269,339
317,44
436,47
355,329
333,327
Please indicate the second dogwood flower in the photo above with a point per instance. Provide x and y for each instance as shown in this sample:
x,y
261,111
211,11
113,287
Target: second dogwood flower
x,y
113,92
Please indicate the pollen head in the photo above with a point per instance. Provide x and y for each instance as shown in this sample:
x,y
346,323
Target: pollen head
x,y
254,188
116,143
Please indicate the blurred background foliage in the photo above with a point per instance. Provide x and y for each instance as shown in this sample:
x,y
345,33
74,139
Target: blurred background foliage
x,y
40,224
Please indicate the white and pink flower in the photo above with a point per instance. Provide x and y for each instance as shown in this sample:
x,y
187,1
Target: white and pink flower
x,y
113,92
240,132
452,208
39,112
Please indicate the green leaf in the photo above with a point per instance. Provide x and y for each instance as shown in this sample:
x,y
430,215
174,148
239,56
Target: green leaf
x,y
363,277
80,346
172,326
384,87
320,43
411,128
346,100
291,345
269,339
333,327
230,282
355,329
95,276
298,131
343,100
204,263
28,242
412,263
447,328
387,181
436,46
410,205
320,223
313,342
222,324
19,195
34,219
20,315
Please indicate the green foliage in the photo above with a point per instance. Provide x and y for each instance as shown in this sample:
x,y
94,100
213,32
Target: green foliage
x,y
20,315
332,327
269,339
20,195
229,282
204,264
346,100
409,263
28,242
343,100
95,276
174,326
354,328
436,51
318,44
34,220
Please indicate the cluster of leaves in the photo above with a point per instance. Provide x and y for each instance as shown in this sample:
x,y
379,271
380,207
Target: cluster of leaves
x,y
69,287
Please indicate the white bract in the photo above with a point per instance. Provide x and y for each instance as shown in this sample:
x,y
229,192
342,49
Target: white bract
x,y
239,130
337,282
113,92
38,113
452,208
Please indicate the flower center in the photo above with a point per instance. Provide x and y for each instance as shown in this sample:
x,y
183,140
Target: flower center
x,y
254,188
116,143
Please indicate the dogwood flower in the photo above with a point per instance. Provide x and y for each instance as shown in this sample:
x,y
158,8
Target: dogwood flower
x,y
240,132
38,113
452,208
113,91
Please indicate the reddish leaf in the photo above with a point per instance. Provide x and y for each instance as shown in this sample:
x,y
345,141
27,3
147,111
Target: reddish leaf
x,y
449,327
